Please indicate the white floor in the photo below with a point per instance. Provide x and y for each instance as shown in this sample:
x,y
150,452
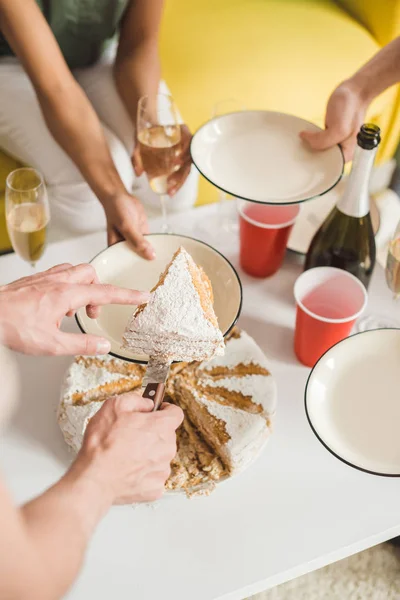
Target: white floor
x,y
370,575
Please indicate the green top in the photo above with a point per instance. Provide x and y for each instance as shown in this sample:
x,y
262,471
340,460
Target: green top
x,y
81,27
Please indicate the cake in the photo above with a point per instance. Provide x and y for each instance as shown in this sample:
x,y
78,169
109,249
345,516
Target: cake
x,y
229,403
178,322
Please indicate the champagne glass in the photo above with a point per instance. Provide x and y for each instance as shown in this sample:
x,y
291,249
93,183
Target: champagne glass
x,y
227,208
392,273
227,221
159,136
27,213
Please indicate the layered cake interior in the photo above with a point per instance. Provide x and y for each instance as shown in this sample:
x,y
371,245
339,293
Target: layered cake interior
x,y
229,403
178,322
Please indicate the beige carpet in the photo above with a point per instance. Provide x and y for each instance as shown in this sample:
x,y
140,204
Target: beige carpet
x,y
370,575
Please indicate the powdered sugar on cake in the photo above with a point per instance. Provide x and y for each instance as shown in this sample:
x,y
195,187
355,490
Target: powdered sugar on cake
x,y
73,421
247,432
173,323
83,379
242,350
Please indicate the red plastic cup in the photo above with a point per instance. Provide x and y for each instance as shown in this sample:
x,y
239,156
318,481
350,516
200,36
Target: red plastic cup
x,y
264,232
329,301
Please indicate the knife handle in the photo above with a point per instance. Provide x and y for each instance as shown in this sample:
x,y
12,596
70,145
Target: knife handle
x,y
155,392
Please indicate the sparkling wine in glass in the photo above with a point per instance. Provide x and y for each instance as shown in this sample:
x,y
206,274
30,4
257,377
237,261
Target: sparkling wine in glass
x,y
392,272
27,213
227,208
159,136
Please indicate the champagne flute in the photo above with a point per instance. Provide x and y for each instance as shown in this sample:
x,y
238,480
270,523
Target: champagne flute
x,y
159,136
227,208
226,218
27,213
392,273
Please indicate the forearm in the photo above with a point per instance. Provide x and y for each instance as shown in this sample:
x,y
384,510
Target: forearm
x,y
78,131
137,74
59,524
380,73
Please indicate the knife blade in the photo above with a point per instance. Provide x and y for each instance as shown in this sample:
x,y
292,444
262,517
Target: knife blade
x,y
154,380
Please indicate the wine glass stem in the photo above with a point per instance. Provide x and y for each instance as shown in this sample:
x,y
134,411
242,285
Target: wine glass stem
x,y
165,225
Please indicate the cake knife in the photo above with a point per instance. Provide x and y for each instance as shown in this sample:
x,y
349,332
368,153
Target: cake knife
x,y
154,380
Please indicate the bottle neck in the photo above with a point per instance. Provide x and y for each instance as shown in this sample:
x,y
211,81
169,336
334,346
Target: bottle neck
x,y
355,200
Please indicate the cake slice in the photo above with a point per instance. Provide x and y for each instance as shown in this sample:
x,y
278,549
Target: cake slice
x,y
178,322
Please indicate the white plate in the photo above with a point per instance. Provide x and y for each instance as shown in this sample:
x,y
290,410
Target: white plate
x,y
352,401
258,156
119,265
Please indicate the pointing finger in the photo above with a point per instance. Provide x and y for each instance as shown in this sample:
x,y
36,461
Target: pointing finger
x,y
102,294
83,273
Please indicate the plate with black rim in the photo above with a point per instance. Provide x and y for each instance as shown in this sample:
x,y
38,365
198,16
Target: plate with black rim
x,y
257,155
119,265
352,401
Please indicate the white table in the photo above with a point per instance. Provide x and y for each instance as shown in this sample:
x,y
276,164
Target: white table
x,y
295,510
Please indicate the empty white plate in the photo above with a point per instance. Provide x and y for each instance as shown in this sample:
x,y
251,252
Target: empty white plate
x,y
259,156
352,401
119,265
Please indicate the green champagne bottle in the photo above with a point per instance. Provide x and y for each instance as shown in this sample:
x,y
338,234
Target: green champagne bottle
x,y
346,237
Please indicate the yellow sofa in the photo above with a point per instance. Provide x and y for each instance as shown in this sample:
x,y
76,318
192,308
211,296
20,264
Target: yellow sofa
x,y
285,55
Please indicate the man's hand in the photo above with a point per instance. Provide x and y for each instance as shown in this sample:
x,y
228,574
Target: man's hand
x,y
32,308
127,449
126,220
183,162
345,114
125,457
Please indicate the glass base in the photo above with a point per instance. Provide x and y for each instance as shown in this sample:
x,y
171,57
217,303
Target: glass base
x,y
375,322
228,217
220,228
165,228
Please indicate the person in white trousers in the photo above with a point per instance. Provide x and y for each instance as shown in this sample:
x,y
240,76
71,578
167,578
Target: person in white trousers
x,y
76,125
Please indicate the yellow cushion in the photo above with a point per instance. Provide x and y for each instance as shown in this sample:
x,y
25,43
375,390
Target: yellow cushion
x,y
283,55
7,165
272,54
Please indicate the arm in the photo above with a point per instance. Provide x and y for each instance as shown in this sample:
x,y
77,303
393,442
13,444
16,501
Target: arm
x,y
137,66
125,458
349,102
78,129
48,538
379,73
